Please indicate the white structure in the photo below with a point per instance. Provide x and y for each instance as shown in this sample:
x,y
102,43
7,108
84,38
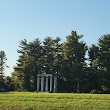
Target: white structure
x,y
46,83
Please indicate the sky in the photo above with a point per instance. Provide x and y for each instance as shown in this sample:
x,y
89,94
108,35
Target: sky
x,y
31,19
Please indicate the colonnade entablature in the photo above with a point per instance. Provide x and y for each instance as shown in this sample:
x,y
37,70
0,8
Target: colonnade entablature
x,y
46,83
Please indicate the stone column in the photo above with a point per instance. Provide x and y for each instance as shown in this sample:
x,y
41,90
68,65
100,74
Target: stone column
x,y
42,83
51,83
38,84
46,88
55,84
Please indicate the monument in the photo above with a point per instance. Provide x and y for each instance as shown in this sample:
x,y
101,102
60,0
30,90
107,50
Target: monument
x,y
46,83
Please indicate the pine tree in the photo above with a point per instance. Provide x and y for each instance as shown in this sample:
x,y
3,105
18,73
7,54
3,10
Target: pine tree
x,y
104,49
2,68
93,54
74,53
48,57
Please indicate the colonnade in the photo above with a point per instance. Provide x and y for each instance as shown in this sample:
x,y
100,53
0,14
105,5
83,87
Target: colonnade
x,y
46,83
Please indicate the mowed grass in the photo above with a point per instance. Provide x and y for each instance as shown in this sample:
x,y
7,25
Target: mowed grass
x,y
53,101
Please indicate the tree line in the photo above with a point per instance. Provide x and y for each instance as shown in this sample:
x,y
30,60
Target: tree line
x,y
80,68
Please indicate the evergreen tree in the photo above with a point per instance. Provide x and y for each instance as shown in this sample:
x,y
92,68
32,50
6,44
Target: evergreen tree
x,y
23,66
2,68
99,57
104,61
48,57
2,62
93,54
104,52
74,53
28,65
35,53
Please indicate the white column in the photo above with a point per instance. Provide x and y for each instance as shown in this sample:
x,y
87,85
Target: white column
x,y
50,83
42,83
38,83
55,83
46,88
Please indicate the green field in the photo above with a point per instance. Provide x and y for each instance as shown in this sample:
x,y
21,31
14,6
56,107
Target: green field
x,y
52,101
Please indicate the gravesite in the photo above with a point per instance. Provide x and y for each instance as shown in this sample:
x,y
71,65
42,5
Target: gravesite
x,y
54,55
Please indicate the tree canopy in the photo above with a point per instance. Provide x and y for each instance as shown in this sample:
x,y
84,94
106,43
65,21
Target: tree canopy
x,y
76,71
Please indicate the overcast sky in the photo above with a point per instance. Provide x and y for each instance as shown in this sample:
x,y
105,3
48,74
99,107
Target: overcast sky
x,y
29,19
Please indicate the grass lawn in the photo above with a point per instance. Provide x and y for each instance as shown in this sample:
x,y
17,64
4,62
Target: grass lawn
x,y
53,101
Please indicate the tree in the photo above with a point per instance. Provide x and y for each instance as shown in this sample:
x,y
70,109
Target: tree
x,y
2,62
57,54
9,83
23,66
99,57
17,78
104,60
93,54
35,54
48,57
2,68
74,55
28,65
104,52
